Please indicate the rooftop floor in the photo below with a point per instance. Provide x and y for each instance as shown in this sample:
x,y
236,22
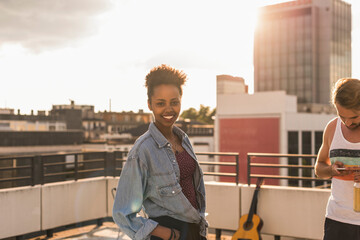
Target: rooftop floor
x,y
108,231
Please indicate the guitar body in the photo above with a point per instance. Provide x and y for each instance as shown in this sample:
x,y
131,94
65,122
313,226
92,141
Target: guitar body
x,y
248,230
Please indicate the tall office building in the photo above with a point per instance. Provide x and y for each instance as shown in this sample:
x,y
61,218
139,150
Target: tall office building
x,y
303,47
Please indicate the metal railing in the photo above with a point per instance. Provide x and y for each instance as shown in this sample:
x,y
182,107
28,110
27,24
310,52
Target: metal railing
x,y
18,171
298,163
222,174
12,166
45,168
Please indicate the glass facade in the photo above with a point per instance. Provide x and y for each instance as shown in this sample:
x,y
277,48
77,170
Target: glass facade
x,y
340,42
286,50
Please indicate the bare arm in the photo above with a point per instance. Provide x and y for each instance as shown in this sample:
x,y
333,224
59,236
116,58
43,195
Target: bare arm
x,y
323,166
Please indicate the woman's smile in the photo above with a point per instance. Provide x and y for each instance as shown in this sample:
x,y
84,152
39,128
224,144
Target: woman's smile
x,y
169,117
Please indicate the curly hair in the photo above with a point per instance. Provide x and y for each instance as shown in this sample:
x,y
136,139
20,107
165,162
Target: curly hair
x,y
164,74
346,92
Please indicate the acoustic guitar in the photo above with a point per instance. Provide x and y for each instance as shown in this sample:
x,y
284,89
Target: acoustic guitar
x,y
250,224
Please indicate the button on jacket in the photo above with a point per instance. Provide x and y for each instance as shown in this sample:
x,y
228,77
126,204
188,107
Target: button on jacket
x,y
151,178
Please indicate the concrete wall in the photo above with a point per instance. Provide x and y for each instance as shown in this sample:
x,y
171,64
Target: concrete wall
x,y
70,202
222,205
295,212
262,103
19,211
31,209
307,121
292,212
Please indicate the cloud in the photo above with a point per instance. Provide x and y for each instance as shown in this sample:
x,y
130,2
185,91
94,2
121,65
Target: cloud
x,y
47,24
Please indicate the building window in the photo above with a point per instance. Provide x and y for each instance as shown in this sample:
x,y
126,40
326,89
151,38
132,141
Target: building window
x,y
306,149
318,140
293,148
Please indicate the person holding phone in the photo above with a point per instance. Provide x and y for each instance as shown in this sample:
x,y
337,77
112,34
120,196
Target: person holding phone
x,y
338,158
161,174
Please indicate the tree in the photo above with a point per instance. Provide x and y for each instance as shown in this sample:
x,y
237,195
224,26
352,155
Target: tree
x,y
191,113
204,115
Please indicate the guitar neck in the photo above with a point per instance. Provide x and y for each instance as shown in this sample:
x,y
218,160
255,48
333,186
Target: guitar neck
x,y
254,200
253,205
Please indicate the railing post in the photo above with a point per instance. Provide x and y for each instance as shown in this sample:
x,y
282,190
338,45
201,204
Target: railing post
x,y
114,170
110,163
248,169
42,170
37,170
49,233
106,164
237,169
114,163
217,234
76,168
123,154
99,222
33,172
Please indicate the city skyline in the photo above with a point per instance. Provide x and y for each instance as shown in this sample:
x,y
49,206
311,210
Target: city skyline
x,y
92,51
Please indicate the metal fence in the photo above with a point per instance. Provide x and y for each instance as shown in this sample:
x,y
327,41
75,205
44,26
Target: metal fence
x,y
18,171
31,170
300,169
234,164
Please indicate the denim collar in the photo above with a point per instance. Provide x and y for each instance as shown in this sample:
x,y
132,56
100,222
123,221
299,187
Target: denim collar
x,y
160,139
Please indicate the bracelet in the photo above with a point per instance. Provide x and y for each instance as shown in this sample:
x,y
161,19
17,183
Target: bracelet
x,y
172,233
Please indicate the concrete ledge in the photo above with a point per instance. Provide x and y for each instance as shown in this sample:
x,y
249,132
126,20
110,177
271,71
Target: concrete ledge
x,y
223,205
294,212
291,212
19,211
70,202
111,183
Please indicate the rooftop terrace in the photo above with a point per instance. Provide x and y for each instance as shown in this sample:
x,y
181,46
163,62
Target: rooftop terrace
x,y
59,201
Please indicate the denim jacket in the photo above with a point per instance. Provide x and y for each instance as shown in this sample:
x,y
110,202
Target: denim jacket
x,y
151,179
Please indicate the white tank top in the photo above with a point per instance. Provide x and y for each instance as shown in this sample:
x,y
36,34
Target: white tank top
x,y
340,204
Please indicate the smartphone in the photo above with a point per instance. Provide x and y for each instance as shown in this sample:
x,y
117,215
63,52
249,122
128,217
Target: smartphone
x,y
349,169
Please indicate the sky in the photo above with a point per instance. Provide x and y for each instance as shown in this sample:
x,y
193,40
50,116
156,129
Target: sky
x,y
98,52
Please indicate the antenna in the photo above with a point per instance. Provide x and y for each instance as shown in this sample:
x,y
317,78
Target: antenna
x,y
72,103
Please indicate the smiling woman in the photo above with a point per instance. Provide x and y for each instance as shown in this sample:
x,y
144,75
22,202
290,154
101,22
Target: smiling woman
x,y
162,172
164,98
